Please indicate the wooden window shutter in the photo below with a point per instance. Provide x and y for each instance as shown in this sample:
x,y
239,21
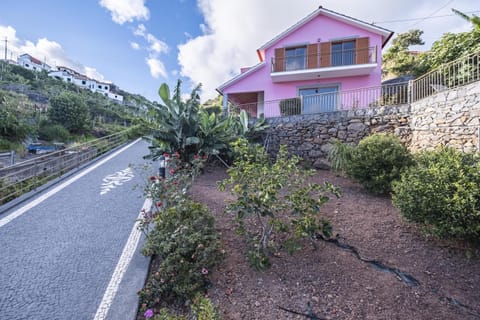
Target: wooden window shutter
x,y
361,50
312,56
279,60
325,54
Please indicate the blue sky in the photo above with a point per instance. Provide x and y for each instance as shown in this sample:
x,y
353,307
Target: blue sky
x,y
139,44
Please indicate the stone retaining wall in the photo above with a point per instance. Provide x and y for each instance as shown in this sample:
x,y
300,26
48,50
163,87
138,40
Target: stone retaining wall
x,y
311,136
446,118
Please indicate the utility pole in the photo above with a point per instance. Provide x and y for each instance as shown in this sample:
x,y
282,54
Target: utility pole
x,y
5,61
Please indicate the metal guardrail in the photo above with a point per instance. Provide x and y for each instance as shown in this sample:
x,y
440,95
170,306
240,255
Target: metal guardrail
x,y
10,155
28,175
454,74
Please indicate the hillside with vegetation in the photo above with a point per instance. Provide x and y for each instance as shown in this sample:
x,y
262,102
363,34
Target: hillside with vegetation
x,y
36,107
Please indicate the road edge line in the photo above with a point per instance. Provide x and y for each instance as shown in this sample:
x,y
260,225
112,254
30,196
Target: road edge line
x,y
122,265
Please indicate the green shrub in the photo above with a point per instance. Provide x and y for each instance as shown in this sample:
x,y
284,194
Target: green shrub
x,y
54,132
69,110
378,160
201,309
188,245
442,191
5,145
340,156
290,107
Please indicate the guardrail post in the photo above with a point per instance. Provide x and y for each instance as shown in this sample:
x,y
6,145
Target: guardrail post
x,y
410,91
12,157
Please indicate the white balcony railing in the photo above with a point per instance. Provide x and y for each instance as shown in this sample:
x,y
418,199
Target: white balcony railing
x,y
329,102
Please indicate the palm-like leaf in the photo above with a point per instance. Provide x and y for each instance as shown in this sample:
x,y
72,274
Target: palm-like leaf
x,y
475,20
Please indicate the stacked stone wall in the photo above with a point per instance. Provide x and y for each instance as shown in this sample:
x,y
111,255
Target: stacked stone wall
x,y
311,136
448,118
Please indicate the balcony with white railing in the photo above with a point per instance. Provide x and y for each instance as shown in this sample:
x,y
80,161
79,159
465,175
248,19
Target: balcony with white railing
x,y
301,65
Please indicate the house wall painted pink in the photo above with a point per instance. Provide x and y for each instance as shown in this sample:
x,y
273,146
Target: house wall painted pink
x,y
321,28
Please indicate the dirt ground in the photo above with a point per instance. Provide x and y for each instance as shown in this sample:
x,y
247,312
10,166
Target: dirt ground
x,y
332,283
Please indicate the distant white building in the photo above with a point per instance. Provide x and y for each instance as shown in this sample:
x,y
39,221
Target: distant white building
x,y
115,96
69,75
31,63
103,88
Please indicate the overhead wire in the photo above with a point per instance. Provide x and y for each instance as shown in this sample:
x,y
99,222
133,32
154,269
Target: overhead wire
x,y
422,18
432,14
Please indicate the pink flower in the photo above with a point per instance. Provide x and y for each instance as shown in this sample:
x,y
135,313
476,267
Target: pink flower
x,y
204,271
172,171
148,314
153,178
159,203
196,156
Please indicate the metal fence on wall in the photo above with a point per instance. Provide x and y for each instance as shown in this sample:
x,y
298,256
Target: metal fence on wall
x,y
451,75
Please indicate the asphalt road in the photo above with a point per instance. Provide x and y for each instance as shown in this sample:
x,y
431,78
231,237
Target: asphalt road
x,y
60,253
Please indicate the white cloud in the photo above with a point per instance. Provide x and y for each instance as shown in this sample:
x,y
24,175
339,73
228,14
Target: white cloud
x,y
134,45
45,50
141,30
126,10
93,73
157,69
155,45
155,48
233,30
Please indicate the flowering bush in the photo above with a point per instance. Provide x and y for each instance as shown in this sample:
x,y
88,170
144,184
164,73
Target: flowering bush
x,y
167,192
188,245
278,197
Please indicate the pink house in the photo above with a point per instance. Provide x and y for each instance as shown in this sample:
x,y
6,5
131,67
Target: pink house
x,y
308,68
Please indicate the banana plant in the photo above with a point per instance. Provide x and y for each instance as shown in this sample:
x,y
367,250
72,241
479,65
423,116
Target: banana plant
x,y
215,132
250,132
176,123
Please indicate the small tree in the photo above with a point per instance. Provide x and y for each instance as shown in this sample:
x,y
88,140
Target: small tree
x,y
70,111
398,60
274,198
